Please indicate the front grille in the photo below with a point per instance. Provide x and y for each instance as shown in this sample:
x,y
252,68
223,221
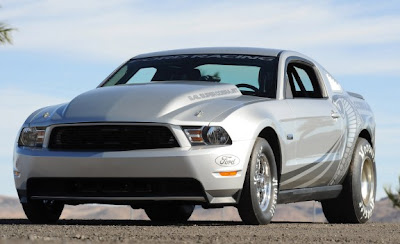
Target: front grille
x,y
114,187
111,137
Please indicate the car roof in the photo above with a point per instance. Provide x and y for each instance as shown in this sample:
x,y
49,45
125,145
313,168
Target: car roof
x,y
215,50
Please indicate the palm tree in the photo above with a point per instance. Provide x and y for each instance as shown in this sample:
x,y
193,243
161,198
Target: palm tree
x,y
394,197
5,33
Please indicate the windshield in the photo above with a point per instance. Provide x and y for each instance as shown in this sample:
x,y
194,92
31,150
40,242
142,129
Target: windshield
x,y
253,75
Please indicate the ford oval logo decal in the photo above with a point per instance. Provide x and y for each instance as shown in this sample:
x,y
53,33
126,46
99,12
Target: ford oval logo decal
x,y
227,160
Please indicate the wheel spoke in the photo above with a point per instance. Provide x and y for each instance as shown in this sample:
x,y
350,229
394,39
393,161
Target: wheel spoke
x,y
262,181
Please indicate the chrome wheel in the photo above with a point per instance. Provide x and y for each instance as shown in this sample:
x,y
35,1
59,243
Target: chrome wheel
x,y
263,181
367,181
259,195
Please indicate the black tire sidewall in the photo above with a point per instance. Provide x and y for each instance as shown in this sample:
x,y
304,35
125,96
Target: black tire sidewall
x,y
170,213
38,213
363,152
262,146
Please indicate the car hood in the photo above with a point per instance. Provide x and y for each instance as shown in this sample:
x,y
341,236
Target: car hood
x,y
162,102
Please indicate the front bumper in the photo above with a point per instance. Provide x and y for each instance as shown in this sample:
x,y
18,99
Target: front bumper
x,y
198,163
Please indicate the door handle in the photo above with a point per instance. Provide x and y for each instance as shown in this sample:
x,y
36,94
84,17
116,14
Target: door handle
x,y
335,115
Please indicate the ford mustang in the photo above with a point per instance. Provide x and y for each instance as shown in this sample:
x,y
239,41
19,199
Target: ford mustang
x,y
243,127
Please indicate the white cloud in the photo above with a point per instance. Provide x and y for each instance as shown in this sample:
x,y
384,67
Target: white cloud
x,y
121,29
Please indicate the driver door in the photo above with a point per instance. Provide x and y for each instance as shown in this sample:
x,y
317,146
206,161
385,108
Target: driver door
x,y
318,129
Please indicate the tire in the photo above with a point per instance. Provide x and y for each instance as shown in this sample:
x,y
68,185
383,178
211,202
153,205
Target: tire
x,y
356,202
169,213
260,189
43,212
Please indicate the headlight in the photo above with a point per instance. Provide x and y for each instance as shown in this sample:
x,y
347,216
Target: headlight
x,y
32,137
214,135
217,136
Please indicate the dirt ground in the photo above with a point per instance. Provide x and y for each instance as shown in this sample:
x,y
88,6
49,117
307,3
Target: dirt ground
x,y
134,231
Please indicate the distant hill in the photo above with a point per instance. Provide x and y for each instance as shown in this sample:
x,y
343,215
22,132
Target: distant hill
x,y
295,212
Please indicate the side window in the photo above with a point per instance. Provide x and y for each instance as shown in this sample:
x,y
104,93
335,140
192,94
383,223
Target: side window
x,y
296,84
303,81
143,75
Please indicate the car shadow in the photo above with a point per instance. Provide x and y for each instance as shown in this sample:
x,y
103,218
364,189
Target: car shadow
x,y
103,222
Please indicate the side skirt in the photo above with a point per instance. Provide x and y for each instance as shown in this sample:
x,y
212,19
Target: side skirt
x,y
308,194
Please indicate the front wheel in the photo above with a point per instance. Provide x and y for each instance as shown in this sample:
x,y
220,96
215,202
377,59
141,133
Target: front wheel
x,y
260,190
169,213
356,202
43,211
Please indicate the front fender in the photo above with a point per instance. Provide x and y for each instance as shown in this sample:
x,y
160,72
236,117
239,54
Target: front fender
x,y
246,123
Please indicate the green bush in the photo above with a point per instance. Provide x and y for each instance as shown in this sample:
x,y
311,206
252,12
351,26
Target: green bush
x,y
394,197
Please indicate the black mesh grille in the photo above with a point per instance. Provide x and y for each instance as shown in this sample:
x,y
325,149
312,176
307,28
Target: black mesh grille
x,y
111,137
114,187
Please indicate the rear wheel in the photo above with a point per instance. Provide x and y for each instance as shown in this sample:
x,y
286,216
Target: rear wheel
x,y
169,213
260,190
43,211
356,202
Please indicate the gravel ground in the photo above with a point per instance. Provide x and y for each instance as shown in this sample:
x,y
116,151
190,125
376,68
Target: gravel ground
x,y
112,231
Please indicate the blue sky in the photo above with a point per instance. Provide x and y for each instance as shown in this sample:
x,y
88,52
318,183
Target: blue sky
x,y
63,48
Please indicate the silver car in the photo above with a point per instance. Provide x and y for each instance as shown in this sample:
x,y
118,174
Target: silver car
x,y
243,127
